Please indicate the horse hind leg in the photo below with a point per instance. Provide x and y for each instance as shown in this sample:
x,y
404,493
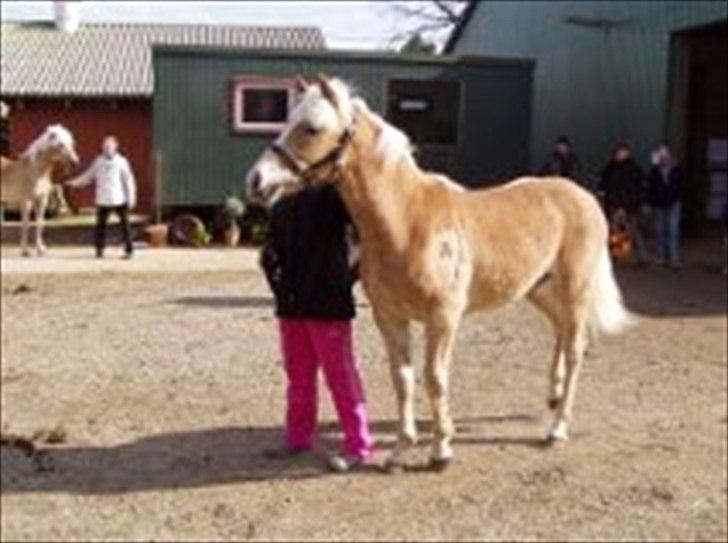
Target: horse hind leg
x,y
545,298
574,337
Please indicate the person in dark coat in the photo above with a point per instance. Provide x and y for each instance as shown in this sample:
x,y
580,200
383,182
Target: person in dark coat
x,y
563,162
307,265
623,185
666,185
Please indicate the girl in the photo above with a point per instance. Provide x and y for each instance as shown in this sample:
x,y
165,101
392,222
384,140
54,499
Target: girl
x,y
306,262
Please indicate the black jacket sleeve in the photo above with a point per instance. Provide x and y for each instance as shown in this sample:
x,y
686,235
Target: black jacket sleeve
x,y
639,188
272,255
679,181
653,178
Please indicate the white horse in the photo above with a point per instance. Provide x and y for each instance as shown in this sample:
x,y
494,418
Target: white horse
x,y
433,252
26,182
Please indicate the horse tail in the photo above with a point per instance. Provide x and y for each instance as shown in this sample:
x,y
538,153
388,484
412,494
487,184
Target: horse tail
x,y
608,313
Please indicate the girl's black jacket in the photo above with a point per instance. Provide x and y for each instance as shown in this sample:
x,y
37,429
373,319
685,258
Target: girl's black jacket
x,y
306,257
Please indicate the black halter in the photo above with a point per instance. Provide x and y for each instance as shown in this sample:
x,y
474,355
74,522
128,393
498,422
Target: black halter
x,y
306,172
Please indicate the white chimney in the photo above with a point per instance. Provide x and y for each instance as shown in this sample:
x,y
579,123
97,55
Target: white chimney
x,y
67,15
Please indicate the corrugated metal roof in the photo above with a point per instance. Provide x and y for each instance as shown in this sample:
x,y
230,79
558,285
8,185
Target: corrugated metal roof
x,y
115,59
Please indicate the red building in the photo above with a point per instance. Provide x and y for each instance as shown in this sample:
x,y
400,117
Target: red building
x,y
97,79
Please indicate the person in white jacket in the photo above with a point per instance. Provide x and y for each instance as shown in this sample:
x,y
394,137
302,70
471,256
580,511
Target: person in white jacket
x,y
115,191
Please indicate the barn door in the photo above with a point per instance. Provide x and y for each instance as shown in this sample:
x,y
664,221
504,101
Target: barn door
x,y
698,118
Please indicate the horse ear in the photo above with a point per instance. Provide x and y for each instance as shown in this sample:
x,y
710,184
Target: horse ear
x,y
326,89
301,85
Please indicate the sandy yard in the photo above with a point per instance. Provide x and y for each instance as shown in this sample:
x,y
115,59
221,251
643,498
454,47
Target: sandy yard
x,y
161,389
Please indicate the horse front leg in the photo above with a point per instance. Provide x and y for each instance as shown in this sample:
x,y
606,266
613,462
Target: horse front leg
x,y
440,341
40,209
396,334
24,227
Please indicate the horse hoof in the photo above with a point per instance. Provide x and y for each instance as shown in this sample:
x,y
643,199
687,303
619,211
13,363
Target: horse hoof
x,y
439,464
553,443
553,403
25,254
557,434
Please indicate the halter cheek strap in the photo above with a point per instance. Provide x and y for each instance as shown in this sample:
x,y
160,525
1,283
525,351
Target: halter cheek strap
x,y
288,161
332,157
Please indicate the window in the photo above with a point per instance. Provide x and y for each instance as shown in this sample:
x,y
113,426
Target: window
x,y
261,104
428,111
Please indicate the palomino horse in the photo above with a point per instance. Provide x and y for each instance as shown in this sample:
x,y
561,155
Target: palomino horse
x,y
433,252
27,181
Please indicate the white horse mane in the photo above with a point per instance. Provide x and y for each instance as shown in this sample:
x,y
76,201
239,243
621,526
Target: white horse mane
x,y
53,134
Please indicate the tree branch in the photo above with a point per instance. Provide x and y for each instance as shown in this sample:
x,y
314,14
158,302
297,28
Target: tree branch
x,y
427,19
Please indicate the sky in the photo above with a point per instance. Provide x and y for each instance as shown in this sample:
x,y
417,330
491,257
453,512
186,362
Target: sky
x,y
345,24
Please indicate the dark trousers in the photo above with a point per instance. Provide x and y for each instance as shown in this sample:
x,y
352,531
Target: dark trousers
x,y
102,217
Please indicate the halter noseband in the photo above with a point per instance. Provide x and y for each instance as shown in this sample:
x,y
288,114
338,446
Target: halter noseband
x,y
332,157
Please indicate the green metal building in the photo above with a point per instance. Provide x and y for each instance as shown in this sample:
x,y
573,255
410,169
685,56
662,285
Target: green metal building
x,y
215,110
640,71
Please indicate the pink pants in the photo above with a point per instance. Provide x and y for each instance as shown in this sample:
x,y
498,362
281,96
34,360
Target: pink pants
x,y
306,343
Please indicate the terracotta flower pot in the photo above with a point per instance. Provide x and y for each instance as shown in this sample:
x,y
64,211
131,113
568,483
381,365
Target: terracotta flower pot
x,y
157,234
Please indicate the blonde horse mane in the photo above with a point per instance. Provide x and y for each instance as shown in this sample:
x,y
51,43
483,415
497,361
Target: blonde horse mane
x,y
53,133
391,144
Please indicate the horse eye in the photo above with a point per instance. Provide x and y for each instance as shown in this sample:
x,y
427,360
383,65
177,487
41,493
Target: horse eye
x,y
311,130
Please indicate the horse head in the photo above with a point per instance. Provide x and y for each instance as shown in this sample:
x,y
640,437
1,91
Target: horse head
x,y
311,147
55,144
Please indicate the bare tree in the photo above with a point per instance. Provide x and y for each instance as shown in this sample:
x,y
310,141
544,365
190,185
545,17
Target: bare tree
x,y
430,20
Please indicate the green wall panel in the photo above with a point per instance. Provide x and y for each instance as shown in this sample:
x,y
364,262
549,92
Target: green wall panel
x,y
595,84
202,160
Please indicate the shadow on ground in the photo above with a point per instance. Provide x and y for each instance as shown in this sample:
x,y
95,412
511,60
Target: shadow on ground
x,y
222,302
649,291
225,301
199,458
696,290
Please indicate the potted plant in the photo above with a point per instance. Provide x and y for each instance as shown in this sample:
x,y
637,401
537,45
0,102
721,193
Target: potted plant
x,y
187,230
232,211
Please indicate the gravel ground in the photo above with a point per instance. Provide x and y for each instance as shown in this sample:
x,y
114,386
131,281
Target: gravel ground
x,y
161,389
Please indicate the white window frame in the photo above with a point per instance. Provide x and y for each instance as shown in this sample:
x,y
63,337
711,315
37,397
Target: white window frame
x,y
243,83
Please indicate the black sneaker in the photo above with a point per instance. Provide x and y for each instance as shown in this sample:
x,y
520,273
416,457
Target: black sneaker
x,y
345,463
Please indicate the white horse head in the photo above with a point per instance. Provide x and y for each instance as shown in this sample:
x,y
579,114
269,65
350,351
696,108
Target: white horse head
x,y
314,141
57,140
